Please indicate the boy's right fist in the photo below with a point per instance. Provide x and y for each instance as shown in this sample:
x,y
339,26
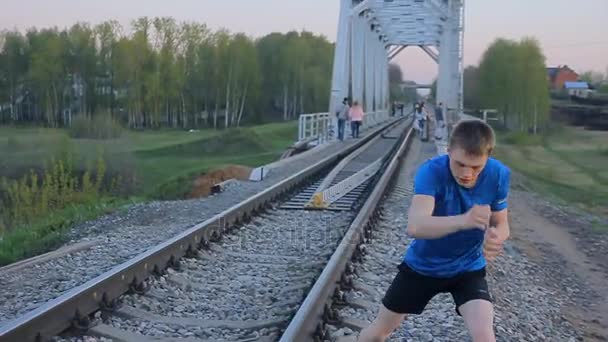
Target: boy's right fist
x,y
478,217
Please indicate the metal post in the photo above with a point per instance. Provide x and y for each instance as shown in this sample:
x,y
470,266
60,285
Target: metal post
x,y
369,70
357,58
339,84
377,73
386,83
449,85
444,61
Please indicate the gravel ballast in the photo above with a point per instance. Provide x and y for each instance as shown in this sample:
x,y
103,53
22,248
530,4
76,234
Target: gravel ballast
x,y
122,235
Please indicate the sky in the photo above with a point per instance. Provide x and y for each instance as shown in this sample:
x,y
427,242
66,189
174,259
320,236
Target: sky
x,y
573,33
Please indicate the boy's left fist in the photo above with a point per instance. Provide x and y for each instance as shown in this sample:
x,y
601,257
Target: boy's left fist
x,y
492,244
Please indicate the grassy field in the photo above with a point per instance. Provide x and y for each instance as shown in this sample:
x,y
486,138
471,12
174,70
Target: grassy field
x,y
162,164
168,168
155,157
570,164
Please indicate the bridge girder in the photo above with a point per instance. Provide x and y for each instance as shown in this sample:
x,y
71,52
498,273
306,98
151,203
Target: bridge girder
x,y
378,26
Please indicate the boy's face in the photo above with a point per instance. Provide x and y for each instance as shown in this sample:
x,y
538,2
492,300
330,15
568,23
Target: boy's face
x,y
465,167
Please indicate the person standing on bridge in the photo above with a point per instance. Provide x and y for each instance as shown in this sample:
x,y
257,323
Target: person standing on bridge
x,y
439,113
342,115
439,123
420,121
356,118
458,219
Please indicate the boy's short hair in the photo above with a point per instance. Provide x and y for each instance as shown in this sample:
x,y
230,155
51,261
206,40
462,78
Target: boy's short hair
x,y
474,136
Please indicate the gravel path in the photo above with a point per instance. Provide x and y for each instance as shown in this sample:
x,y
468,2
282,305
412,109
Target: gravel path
x,y
529,304
125,234
590,231
565,262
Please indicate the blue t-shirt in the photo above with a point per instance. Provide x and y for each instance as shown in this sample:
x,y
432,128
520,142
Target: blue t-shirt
x,y
461,251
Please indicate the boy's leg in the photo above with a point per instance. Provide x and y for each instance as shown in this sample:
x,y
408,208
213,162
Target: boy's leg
x,y
382,327
409,293
478,315
474,304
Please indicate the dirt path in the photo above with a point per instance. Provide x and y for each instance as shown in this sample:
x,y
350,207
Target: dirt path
x,y
566,263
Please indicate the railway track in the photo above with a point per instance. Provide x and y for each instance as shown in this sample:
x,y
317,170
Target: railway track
x,y
233,284
312,321
359,291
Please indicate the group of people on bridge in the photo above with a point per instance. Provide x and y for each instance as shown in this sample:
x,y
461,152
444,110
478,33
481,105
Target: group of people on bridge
x,y
422,118
345,112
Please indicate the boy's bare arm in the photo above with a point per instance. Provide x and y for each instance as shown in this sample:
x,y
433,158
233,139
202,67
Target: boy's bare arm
x,y
423,225
500,221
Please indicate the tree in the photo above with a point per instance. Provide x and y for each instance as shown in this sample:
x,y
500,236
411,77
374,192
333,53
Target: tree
x,y
592,77
47,73
512,79
14,65
162,74
81,64
107,34
395,75
396,81
471,87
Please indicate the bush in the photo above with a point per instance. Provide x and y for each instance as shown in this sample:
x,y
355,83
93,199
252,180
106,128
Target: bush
x,y
174,189
35,195
48,233
101,126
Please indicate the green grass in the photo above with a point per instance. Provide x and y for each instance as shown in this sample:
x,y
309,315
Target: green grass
x,y
252,146
568,164
48,233
163,165
520,139
23,148
38,140
155,157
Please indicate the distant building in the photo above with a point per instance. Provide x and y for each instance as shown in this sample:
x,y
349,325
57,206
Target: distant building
x,y
559,75
576,85
580,89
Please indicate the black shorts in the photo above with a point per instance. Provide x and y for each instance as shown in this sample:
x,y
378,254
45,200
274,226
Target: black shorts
x,y
410,291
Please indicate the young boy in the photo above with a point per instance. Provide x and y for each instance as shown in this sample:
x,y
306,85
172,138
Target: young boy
x,y
458,219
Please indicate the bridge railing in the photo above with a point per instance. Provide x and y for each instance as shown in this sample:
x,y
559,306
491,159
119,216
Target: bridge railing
x,y
321,127
314,127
